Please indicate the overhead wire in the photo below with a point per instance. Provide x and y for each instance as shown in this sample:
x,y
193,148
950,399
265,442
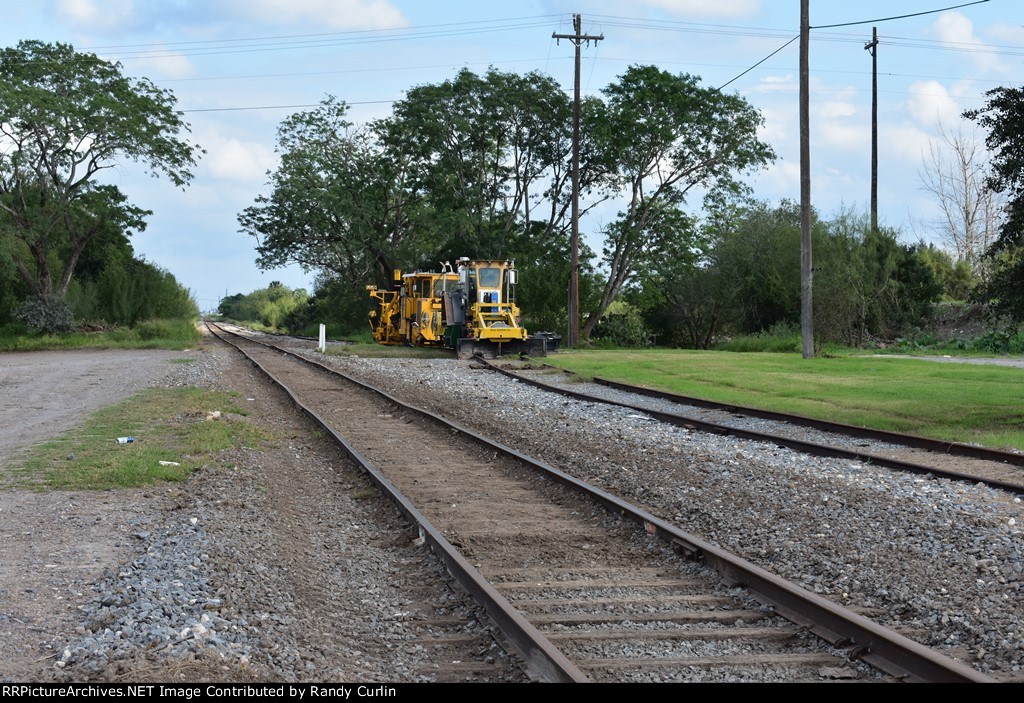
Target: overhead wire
x,y
901,17
758,63
434,31
377,69
749,90
319,34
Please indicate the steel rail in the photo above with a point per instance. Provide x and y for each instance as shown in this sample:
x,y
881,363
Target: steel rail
x,y
800,445
877,645
542,658
910,440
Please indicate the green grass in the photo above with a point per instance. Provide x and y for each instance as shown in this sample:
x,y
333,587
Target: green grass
x,y
169,424
959,402
153,334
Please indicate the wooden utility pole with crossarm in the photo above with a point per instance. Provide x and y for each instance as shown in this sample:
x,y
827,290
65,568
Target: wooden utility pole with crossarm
x,y
574,269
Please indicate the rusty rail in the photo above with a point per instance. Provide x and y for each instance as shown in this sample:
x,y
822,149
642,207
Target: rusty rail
x,y
692,423
883,648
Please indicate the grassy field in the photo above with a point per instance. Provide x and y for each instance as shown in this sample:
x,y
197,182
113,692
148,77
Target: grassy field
x,y
169,425
966,403
154,334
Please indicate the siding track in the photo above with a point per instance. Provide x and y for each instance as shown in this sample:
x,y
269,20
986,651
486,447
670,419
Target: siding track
x,y
910,453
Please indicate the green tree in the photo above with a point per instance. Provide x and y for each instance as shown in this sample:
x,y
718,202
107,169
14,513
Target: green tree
x,y
956,277
65,116
492,152
339,202
1003,117
662,136
475,166
269,306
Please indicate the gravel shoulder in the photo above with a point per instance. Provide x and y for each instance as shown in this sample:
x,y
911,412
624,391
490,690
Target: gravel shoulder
x,y
57,543
51,390
278,563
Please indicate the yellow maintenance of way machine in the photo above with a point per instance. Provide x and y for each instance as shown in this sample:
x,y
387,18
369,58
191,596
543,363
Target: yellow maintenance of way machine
x,y
470,309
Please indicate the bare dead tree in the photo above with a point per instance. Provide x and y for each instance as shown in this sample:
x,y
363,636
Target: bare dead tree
x,y
955,172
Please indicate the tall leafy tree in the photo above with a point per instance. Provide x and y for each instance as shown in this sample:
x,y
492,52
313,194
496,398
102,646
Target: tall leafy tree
x,y
663,136
339,200
493,153
66,116
1003,117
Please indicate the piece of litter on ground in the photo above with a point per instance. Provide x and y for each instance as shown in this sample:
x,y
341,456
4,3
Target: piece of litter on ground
x,y
169,463
837,672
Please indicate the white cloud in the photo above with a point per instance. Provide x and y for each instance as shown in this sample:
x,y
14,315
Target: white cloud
x,y
828,134
704,8
785,83
1008,33
957,30
333,14
779,180
929,102
905,141
165,66
232,159
775,129
94,14
834,109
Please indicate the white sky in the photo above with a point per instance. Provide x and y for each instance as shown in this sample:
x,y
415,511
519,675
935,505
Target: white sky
x,y
370,51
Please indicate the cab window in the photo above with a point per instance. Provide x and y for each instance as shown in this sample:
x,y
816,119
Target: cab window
x,y
489,278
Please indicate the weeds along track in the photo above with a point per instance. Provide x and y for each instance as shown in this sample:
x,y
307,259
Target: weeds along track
x,y
580,583
901,452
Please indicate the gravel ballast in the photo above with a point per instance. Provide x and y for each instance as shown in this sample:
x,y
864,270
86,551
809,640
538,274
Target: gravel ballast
x,y
277,563
931,555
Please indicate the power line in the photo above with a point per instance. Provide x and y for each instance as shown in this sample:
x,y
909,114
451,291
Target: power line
x,y
760,62
900,17
286,107
317,44
319,34
352,70
595,58
813,71
750,90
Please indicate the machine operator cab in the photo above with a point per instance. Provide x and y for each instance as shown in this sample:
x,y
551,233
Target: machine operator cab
x,y
491,313
488,282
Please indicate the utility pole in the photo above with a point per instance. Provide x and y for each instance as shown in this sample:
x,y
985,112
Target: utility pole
x,y
574,268
872,46
806,270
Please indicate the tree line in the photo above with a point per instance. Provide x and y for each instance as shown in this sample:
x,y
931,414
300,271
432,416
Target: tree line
x,y
65,118
478,165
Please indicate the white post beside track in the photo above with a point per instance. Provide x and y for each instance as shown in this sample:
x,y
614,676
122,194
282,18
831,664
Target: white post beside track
x,y
323,338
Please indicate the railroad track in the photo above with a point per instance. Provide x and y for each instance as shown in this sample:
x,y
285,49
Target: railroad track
x,y
562,568
902,452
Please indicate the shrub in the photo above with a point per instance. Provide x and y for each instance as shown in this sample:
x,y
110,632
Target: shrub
x,y
175,329
781,337
623,327
49,314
